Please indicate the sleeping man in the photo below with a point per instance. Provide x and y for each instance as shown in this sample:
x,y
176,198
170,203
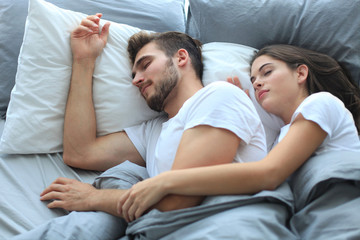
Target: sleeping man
x,y
200,126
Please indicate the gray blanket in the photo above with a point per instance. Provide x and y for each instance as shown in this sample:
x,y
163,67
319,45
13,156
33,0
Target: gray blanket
x,y
327,197
218,217
324,204
326,193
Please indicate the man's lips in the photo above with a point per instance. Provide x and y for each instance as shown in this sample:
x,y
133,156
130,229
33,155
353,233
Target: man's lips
x,y
143,88
262,93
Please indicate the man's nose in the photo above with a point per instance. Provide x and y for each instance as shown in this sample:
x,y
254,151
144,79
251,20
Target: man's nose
x,y
137,80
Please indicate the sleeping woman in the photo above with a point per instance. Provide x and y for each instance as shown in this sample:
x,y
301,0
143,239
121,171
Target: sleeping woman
x,y
319,105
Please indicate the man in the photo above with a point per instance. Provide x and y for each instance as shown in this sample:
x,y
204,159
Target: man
x,y
202,125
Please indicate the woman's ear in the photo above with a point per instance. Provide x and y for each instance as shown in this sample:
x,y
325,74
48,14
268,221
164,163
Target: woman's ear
x,y
302,73
182,57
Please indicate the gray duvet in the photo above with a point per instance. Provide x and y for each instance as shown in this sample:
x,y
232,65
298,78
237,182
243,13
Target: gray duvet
x,y
324,204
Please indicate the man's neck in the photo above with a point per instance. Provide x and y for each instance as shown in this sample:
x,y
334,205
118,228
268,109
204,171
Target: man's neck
x,y
181,93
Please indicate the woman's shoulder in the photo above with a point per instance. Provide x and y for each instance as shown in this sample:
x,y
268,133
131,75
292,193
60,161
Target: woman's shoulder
x,y
321,106
323,96
324,99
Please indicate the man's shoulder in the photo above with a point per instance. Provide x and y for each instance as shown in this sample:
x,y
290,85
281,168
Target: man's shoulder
x,y
222,87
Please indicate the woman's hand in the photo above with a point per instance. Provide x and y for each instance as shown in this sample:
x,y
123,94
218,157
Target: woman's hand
x,y
236,81
87,41
69,194
140,197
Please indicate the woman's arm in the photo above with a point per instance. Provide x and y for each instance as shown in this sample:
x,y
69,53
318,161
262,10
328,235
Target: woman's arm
x,y
301,141
303,138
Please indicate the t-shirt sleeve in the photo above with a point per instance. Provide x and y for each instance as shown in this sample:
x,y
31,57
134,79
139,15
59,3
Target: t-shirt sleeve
x,y
324,109
225,106
140,134
137,137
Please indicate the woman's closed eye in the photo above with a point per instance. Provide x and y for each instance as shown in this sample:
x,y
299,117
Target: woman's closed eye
x,y
267,73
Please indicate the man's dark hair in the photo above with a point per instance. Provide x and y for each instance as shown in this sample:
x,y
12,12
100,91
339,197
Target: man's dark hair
x,y
170,43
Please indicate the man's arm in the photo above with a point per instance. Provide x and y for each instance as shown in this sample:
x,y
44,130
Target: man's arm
x,y
73,195
82,148
199,146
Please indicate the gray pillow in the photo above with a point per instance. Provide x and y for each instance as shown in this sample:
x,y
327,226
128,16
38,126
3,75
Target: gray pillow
x,y
328,26
152,15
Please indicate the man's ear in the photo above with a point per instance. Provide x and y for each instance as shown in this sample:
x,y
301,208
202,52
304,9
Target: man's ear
x,y
302,73
182,57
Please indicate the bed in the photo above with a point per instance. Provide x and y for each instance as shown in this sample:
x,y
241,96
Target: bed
x,y
35,67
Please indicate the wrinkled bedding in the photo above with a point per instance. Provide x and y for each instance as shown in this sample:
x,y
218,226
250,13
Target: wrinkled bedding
x,y
327,197
325,189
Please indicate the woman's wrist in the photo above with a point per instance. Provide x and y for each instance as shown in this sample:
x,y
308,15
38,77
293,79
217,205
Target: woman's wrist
x,y
166,182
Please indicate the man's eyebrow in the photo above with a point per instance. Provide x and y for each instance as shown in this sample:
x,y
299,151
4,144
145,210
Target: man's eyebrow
x,y
138,62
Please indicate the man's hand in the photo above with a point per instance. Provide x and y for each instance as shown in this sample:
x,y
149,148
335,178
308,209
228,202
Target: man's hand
x,y
69,194
87,41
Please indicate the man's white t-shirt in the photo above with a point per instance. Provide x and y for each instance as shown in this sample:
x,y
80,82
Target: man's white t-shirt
x,y
219,105
333,117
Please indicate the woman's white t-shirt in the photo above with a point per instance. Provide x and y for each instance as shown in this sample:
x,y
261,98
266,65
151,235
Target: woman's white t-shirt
x,y
333,117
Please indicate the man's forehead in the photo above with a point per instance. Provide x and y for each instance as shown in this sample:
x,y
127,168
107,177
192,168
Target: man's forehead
x,y
149,49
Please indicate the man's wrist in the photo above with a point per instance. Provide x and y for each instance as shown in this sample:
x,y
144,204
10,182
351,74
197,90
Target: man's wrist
x,y
88,61
93,200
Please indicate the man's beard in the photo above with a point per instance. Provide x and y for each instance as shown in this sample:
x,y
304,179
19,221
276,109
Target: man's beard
x,y
164,87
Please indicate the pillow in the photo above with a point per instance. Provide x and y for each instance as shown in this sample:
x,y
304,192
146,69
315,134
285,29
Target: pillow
x,y
222,60
327,26
146,14
35,114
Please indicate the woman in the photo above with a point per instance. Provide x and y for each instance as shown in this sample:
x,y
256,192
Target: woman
x,y
290,83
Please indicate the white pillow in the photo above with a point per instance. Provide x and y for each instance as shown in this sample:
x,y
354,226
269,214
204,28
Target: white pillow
x,y
222,60
35,114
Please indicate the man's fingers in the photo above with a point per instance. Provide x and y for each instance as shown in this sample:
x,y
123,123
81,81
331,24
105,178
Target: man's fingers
x,y
58,185
105,32
89,23
88,26
51,196
54,204
95,18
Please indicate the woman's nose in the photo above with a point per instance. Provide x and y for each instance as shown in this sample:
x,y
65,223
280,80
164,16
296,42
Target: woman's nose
x,y
257,83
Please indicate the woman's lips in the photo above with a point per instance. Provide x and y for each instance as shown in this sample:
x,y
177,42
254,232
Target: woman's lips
x,y
262,93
